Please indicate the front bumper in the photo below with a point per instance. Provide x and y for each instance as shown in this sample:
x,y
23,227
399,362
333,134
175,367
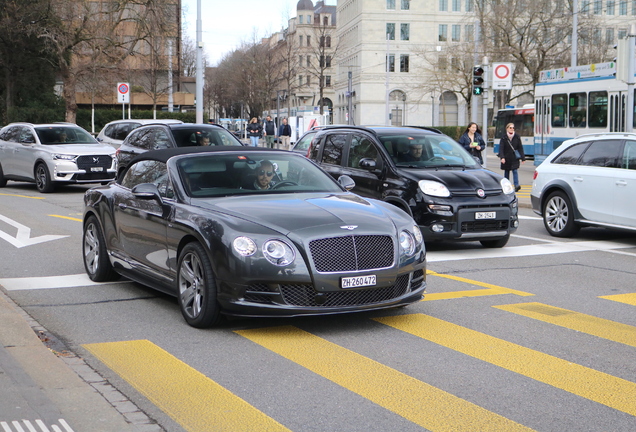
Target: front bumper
x,y
463,224
69,172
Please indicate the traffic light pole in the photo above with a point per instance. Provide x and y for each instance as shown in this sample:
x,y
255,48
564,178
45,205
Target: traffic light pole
x,y
484,98
629,117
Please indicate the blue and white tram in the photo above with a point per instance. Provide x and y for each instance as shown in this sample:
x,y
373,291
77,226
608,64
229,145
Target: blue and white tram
x,y
574,101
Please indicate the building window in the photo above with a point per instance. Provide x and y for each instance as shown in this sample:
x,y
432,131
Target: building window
x,y
469,6
456,31
457,5
442,63
300,80
469,31
405,5
328,41
585,7
609,36
404,63
390,62
308,61
390,31
300,40
443,33
404,32
328,61
633,7
390,4
325,21
308,79
622,7
301,19
622,33
443,5
308,19
611,7
300,60
598,7
308,40
597,36
328,81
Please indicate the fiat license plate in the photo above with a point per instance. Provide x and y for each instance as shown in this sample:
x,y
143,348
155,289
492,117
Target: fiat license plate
x,y
358,281
485,215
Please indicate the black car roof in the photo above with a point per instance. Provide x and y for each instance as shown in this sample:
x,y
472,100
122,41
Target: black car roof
x,y
383,130
165,154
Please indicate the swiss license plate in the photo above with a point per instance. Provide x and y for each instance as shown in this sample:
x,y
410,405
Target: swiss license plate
x,y
97,169
358,281
485,215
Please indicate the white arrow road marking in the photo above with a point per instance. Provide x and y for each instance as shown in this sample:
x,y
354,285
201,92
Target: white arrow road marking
x,y
23,237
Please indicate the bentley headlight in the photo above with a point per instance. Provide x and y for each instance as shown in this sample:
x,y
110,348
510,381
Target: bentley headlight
x,y
244,246
407,243
64,157
434,188
278,252
417,234
506,186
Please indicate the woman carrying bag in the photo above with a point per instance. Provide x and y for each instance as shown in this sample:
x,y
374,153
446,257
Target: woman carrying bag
x,y
511,154
472,141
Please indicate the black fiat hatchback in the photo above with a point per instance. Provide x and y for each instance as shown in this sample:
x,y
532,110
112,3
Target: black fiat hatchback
x,y
425,173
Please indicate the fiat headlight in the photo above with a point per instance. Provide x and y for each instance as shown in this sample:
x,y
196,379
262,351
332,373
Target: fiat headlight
x,y
433,188
407,243
244,246
278,252
506,186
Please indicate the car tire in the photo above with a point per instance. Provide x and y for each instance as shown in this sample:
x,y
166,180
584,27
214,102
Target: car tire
x,y
499,243
43,178
96,262
3,181
558,215
196,287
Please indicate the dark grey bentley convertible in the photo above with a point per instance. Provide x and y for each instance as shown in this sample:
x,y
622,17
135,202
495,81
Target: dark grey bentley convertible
x,y
251,232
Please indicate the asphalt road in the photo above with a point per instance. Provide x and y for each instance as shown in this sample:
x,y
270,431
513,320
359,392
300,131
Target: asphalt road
x,y
539,335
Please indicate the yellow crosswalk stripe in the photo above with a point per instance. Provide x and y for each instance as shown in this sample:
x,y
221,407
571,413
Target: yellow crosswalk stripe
x,y
629,299
193,400
596,386
606,329
490,289
421,403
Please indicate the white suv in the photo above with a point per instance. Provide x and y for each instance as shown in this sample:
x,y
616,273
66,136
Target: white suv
x,y
51,154
587,181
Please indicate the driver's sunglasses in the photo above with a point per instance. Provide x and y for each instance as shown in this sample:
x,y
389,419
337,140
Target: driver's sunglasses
x,y
267,173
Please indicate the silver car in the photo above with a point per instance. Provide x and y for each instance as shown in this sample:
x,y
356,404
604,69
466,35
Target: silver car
x,y
115,132
50,154
587,181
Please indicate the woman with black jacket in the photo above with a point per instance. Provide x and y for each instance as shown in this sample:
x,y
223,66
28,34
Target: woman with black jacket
x,y
511,154
254,131
472,141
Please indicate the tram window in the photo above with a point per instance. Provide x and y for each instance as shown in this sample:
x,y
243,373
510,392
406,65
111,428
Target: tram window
x,y
629,155
578,110
602,153
571,155
598,109
559,109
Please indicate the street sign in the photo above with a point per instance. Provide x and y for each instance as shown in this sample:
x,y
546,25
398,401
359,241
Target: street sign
x,y
502,76
123,92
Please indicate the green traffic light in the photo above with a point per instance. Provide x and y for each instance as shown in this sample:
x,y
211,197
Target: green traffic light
x,y
477,91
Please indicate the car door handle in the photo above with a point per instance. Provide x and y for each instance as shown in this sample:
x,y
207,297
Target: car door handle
x,y
577,179
122,206
621,183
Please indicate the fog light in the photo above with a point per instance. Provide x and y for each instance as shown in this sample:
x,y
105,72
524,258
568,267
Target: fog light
x,y
515,224
437,228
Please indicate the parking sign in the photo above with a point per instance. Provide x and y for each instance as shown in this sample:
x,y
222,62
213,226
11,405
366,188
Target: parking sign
x,y
123,93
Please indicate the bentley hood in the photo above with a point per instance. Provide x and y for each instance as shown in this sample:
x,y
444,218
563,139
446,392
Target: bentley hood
x,y
306,211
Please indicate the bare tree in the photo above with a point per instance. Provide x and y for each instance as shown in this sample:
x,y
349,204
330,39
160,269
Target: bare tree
x,y
324,53
111,28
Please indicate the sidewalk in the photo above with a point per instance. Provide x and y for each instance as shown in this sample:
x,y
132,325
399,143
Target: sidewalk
x,y
40,390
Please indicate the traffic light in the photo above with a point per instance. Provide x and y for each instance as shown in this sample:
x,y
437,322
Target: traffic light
x,y
478,80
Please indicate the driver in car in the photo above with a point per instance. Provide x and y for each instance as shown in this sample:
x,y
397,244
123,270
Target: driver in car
x,y
264,175
415,153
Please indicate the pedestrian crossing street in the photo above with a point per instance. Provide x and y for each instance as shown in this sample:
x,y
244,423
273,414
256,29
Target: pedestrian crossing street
x,y
198,403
